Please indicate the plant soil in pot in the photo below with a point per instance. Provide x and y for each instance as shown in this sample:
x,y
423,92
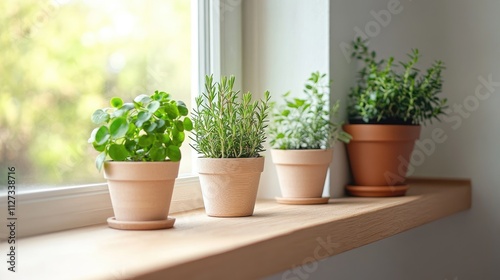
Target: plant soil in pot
x,y
379,156
301,135
229,185
386,110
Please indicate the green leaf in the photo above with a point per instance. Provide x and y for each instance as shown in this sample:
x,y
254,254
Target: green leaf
x,y
160,126
299,102
149,126
99,161
165,139
291,105
118,128
92,135
131,130
123,110
179,125
146,140
143,117
188,124
116,102
143,98
175,134
160,123
102,135
160,95
100,116
171,111
153,106
158,153
118,152
130,145
179,137
181,107
174,153
99,148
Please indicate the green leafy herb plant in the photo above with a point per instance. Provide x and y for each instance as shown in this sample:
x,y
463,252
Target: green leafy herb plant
x,y
304,123
151,128
387,96
228,124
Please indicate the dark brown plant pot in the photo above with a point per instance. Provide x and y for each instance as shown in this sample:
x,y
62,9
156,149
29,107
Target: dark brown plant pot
x,y
379,155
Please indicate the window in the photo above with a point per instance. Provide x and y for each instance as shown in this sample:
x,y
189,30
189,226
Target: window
x,y
62,59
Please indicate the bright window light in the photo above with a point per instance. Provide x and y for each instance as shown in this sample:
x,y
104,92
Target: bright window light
x,y
61,60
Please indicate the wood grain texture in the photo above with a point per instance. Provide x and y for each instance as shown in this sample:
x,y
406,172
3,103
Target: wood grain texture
x,y
276,238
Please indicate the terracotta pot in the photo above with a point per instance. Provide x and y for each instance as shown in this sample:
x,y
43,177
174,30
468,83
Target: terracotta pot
x,y
302,173
379,155
229,186
141,191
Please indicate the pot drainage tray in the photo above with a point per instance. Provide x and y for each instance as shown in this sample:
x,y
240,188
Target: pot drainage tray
x,y
144,225
377,191
302,201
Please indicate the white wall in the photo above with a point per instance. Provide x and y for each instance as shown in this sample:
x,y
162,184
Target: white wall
x,y
275,36
283,42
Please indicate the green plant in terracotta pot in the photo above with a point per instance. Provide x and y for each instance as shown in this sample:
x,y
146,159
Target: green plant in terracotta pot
x,y
139,144
302,136
229,133
387,108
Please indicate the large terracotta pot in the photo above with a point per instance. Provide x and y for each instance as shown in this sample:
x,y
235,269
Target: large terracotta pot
x,y
301,173
141,193
229,185
379,155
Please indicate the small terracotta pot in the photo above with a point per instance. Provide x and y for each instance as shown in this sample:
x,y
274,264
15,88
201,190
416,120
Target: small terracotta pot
x,y
302,173
141,191
229,185
379,154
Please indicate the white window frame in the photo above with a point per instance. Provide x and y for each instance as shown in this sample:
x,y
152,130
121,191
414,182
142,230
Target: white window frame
x,y
64,208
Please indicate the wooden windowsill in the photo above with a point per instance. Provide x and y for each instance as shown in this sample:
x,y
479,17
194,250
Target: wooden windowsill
x,y
276,238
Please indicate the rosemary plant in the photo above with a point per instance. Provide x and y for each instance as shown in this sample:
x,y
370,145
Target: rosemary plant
x,y
227,125
383,95
305,123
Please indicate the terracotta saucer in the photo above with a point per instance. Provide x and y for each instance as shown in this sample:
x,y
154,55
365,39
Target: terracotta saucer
x,y
302,201
377,191
127,225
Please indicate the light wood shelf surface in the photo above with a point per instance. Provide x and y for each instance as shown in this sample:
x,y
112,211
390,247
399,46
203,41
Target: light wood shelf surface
x,y
276,238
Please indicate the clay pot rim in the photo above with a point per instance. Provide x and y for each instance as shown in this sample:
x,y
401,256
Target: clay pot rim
x,y
382,132
229,165
385,121
242,158
380,125
301,150
304,157
128,162
114,170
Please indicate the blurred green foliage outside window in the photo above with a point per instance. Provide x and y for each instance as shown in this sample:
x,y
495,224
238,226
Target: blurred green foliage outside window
x,y
61,60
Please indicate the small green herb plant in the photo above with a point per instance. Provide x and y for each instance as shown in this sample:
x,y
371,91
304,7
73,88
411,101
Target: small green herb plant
x,y
304,123
228,124
384,95
151,128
